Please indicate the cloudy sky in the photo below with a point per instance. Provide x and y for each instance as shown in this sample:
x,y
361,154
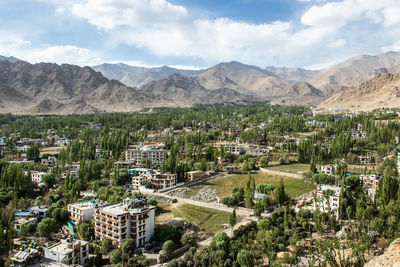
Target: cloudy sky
x,y
198,33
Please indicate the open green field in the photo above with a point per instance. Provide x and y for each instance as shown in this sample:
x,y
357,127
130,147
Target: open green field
x,y
206,219
224,185
291,168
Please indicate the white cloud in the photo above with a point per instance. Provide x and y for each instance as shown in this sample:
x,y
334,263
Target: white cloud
x,y
171,30
108,14
393,47
64,54
338,43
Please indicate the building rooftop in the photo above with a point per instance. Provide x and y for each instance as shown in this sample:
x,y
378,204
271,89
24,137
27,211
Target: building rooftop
x,y
87,204
65,246
127,205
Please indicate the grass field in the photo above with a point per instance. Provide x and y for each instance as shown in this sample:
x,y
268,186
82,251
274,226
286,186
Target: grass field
x,y
206,219
291,168
224,185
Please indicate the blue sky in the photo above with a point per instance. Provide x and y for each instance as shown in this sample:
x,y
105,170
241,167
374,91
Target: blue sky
x,y
198,33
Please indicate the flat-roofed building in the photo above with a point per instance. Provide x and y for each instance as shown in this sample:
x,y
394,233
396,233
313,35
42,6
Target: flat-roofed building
x,y
37,177
193,175
329,169
69,251
83,211
163,180
155,155
327,199
131,218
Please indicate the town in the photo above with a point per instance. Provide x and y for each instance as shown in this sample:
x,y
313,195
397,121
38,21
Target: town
x,y
278,185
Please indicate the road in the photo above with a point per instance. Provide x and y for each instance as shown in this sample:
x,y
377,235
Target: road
x,y
287,174
212,205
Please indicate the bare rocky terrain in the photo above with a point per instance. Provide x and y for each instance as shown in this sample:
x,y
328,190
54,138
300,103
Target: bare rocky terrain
x,y
382,91
48,88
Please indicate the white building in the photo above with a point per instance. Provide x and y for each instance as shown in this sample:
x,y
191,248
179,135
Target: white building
x,y
37,177
156,156
23,148
327,199
329,169
370,183
233,149
163,180
68,251
132,218
83,211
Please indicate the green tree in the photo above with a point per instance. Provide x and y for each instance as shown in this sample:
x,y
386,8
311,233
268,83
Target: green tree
x,y
232,218
281,195
264,160
49,180
33,153
245,258
168,247
47,227
107,246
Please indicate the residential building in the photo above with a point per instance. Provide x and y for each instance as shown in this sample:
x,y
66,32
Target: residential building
x,y
234,131
19,222
69,251
258,197
370,183
365,159
23,148
37,176
329,169
50,160
83,211
140,180
327,199
131,218
39,211
163,180
193,175
156,156
234,149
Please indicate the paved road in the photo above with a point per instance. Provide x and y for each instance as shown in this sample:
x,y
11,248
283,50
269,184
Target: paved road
x,y
287,174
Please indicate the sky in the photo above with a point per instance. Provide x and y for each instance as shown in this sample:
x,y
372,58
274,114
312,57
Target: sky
x,y
198,33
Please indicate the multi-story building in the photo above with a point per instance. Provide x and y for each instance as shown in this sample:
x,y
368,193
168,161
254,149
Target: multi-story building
x,y
329,169
163,180
234,149
49,161
69,251
37,177
132,218
370,184
193,175
136,155
327,199
140,180
83,211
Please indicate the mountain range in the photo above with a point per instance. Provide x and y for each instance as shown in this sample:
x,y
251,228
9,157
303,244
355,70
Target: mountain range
x,y
46,88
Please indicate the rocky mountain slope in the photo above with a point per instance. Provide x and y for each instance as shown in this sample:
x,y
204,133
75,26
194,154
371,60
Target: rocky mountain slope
x,y
185,91
138,76
391,257
52,88
381,91
354,71
293,74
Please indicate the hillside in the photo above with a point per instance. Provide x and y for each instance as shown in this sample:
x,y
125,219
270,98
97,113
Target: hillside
x,y
52,88
381,91
354,71
293,74
138,76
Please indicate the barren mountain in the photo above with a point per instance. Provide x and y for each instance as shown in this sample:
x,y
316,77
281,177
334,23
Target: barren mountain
x,y
354,71
51,88
138,76
9,59
293,74
381,91
186,91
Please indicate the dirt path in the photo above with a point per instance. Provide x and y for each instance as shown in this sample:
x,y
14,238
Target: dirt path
x,y
287,174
